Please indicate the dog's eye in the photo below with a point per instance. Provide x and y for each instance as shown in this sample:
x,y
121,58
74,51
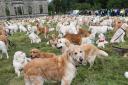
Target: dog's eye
x,y
75,53
34,52
80,51
60,41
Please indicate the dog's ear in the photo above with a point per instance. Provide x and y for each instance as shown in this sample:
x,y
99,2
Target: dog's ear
x,y
67,43
53,36
38,53
70,50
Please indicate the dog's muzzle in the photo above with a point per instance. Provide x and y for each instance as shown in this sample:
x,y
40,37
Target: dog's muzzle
x,y
81,60
59,47
33,57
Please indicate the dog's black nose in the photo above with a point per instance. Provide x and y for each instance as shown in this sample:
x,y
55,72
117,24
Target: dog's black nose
x,y
30,56
55,44
81,59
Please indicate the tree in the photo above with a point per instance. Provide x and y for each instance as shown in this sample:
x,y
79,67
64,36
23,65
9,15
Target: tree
x,y
62,6
117,4
7,11
57,5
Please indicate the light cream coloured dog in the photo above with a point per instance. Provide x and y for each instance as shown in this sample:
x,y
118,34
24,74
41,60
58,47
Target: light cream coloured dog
x,y
61,68
91,51
19,61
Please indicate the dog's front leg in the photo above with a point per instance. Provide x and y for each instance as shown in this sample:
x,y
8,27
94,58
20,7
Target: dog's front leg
x,y
38,80
28,82
45,35
17,72
103,45
7,55
66,81
91,60
31,41
1,56
69,75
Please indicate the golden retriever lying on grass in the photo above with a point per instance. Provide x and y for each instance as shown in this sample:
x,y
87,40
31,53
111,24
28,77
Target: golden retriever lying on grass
x,y
61,68
36,53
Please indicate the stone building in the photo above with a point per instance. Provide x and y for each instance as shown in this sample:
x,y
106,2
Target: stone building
x,y
23,7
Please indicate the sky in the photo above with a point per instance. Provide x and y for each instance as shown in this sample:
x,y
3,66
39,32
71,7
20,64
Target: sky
x,y
49,0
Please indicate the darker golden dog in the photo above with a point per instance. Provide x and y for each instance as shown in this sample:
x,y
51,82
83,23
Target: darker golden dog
x,y
84,33
36,53
42,30
76,38
4,39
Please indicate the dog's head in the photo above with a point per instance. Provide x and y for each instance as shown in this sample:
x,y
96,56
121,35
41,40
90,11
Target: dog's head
x,y
62,43
53,41
110,28
75,54
35,53
19,56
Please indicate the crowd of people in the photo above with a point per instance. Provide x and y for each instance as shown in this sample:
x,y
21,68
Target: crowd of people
x,y
108,12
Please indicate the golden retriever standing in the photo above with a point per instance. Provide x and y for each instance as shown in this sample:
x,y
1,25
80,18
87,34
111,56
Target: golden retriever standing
x,y
42,30
61,68
91,51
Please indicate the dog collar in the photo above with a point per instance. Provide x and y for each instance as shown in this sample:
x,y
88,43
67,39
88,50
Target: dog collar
x,y
101,40
34,57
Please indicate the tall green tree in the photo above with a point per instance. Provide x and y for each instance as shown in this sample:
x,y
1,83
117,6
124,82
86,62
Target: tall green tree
x,y
117,4
62,6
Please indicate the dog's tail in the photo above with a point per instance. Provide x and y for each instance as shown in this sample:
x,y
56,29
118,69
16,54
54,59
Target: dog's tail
x,y
102,53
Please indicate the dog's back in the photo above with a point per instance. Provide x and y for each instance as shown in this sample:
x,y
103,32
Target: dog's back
x,y
74,38
84,33
47,55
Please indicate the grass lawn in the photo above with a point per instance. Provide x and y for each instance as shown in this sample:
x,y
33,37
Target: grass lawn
x,y
106,71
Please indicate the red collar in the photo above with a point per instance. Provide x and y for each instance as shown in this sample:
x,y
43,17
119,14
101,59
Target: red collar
x,y
101,40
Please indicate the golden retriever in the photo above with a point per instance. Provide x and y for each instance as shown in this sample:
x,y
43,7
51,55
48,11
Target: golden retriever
x,y
53,41
84,33
74,38
77,38
42,30
60,68
3,32
4,39
36,53
91,51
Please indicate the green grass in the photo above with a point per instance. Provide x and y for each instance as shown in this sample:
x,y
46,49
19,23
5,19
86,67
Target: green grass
x,y
106,71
